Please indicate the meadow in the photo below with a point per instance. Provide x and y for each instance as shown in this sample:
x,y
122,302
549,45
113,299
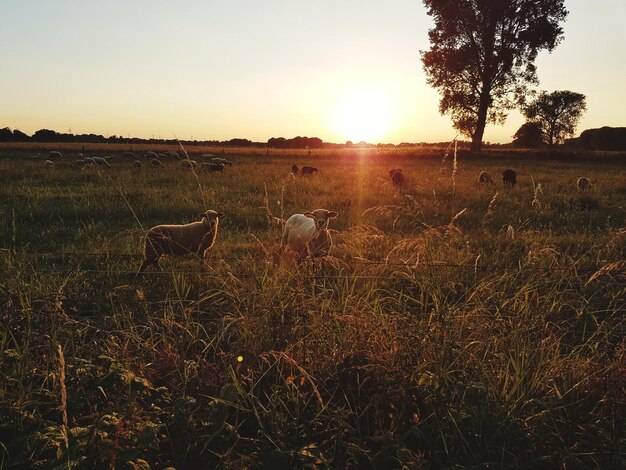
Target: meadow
x,y
453,326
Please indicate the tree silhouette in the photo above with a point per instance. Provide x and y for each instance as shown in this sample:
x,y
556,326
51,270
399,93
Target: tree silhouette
x,y
482,54
557,113
529,135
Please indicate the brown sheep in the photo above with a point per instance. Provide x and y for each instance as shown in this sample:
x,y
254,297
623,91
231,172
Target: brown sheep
x,y
509,178
178,240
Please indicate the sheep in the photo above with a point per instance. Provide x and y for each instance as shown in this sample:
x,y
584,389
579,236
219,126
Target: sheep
x,y
49,164
79,162
583,183
137,164
55,154
129,155
89,160
101,161
484,178
308,170
397,177
155,162
307,234
188,164
177,240
150,155
222,161
212,166
509,178
294,169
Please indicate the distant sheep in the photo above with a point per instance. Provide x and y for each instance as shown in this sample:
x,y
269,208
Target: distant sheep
x,y
79,162
49,164
155,162
294,169
307,234
211,167
177,240
137,164
129,155
509,178
308,170
484,178
222,161
397,177
89,160
188,164
583,183
101,161
55,154
150,155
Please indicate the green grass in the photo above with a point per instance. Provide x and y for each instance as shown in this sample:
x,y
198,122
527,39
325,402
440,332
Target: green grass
x,y
429,339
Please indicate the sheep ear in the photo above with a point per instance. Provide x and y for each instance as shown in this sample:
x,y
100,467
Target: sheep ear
x,y
309,214
202,215
332,214
220,215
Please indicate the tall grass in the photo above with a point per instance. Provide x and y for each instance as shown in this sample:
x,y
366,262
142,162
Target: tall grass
x,y
453,325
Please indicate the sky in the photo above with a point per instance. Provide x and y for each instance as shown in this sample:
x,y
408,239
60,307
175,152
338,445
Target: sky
x,y
206,69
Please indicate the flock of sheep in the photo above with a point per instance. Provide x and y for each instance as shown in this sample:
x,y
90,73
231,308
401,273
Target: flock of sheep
x,y
305,234
89,164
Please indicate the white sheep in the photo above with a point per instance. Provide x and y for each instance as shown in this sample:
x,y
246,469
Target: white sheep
x,y
583,183
101,161
223,161
49,164
188,164
55,154
177,240
307,234
484,178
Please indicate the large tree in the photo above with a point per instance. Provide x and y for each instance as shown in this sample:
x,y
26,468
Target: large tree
x,y
482,55
557,113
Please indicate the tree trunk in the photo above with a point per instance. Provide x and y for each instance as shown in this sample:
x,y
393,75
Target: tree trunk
x,y
481,121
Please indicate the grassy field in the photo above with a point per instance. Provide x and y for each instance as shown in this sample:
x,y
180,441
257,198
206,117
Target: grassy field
x,y
452,326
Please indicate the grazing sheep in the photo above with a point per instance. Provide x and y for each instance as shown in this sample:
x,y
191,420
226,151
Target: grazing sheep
x,y
509,178
177,240
307,234
55,154
129,155
88,160
155,162
188,164
397,177
308,170
484,178
212,166
150,155
583,183
49,164
79,162
137,164
294,169
222,161
101,161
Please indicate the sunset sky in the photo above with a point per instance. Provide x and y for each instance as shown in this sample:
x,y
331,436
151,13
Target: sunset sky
x,y
333,69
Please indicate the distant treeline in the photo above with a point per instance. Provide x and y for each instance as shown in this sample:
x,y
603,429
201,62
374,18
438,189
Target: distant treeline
x,y
50,136
605,138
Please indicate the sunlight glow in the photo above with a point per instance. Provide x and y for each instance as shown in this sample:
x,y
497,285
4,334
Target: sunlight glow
x,y
363,114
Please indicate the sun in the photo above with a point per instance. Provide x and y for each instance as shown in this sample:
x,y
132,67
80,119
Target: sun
x,y
363,114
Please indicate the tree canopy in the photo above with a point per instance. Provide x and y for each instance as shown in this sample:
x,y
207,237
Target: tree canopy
x,y
557,113
529,135
482,54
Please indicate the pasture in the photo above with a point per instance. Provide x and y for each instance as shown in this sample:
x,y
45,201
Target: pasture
x,y
453,324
